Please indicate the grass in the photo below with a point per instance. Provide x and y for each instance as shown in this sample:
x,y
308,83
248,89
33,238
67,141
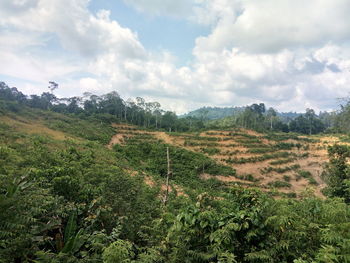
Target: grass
x,y
207,144
186,166
248,177
286,178
307,175
210,150
256,159
282,161
287,146
260,150
248,141
230,153
280,170
279,184
205,138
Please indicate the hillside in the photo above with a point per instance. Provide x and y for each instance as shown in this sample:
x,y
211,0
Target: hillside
x,y
82,189
276,163
213,113
216,113
281,164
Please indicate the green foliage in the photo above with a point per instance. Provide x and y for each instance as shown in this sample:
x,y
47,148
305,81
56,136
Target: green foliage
x,y
337,174
307,175
299,230
286,178
212,113
74,200
260,158
248,177
280,170
282,161
206,233
210,151
279,184
287,146
186,166
120,251
91,128
308,123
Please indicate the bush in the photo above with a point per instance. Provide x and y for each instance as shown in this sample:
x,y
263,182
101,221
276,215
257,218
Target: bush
x,y
120,251
279,184
210,151
307,175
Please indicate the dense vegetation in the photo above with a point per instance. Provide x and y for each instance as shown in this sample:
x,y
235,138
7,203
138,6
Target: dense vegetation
x,y
214,113
66,197
256,117
108,108
111,107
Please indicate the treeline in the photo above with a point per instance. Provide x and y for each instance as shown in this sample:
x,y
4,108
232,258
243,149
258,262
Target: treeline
x,y
109,107
112,108
256,117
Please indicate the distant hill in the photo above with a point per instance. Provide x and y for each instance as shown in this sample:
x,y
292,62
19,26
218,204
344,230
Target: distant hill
x,y
288,116
213,113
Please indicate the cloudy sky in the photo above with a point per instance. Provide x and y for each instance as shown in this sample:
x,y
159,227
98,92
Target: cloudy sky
x,y
290,54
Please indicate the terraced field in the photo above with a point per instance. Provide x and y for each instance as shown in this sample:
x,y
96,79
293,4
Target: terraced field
x,y
281,164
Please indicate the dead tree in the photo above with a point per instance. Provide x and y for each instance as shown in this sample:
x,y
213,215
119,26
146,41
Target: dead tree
x,y
169,173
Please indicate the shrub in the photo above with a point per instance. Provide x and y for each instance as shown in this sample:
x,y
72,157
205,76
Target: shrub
x,y
119,251
210,150
279,184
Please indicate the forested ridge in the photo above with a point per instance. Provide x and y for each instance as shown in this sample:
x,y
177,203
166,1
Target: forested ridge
x,y
67,197
111,107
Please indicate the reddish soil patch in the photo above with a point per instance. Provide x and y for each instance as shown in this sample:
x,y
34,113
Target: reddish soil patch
x,y
221,178
116,139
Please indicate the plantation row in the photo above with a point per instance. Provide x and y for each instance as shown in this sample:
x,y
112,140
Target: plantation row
x,y
238,149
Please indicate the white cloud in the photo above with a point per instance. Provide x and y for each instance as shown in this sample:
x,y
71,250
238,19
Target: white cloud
x,y
269,25
78,30
283,53
17,6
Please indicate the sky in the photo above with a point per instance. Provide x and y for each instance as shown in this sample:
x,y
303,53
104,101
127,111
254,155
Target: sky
x,y
185,54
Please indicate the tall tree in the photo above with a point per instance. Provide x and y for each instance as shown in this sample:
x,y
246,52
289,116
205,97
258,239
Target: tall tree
x,y
271,115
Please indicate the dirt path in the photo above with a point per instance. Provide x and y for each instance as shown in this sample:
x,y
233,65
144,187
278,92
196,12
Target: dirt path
x,y
226,179
164,137
116,139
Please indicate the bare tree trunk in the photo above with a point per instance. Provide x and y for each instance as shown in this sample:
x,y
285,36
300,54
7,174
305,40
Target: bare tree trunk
x,y
167,177
309,126
271,123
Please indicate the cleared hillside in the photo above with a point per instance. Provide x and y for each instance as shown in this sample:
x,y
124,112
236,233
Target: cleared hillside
x,y
281,164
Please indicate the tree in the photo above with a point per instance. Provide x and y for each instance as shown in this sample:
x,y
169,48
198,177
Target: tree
x,y
337,174
169,120
342,119
48,99
52,86
156,111
307,123
271,115
73,104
